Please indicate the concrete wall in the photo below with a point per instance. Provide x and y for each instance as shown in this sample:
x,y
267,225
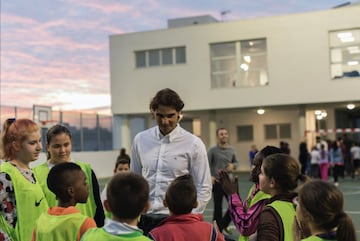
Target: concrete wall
x,y
298,57
298,63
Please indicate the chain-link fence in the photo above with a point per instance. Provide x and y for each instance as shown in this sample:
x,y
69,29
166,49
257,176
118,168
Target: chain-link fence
x,y
90,131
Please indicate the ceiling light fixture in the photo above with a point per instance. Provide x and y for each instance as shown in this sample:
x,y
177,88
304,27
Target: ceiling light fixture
x,y
247,58
260,111
353,63
350,106
320,114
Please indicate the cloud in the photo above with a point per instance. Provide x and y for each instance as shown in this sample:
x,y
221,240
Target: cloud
x,y
56,52
107,7
50,59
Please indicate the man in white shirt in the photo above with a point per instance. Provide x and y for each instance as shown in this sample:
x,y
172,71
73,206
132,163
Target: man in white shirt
x,y
166,151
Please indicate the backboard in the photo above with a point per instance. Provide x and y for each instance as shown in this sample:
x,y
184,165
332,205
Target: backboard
x,y
42,114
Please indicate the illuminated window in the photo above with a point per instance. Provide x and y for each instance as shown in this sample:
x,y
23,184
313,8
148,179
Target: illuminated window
x,y
239,64
345,53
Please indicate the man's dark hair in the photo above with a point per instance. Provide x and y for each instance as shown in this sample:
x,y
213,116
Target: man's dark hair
x,y
61,177
181,195
127,194
166,97
220,129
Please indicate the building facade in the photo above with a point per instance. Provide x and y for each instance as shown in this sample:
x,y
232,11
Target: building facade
x,y
284,78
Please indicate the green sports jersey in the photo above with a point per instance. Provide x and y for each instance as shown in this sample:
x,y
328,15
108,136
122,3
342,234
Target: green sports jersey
x,y
59,227
316,238
286,211
89,208
260,195
96,234
30,204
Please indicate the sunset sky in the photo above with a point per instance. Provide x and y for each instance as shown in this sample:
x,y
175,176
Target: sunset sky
x,y
56,52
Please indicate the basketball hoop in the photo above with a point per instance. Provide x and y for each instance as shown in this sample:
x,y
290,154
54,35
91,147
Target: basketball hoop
x,y
42,115
47,123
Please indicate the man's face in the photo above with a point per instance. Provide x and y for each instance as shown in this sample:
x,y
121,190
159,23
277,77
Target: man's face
x,y
166,118
223,136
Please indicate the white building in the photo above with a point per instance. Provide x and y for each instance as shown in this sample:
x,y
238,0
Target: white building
x,y
287,65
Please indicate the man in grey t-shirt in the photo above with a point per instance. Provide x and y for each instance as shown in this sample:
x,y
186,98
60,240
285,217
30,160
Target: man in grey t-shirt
x,y
221,157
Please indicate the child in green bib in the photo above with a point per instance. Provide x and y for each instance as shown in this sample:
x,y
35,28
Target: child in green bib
x,y
65,222
321,208
22,200
127,198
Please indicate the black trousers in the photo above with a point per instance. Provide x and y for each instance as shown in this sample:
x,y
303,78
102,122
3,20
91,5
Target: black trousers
x,y
218,195
149,221
337,171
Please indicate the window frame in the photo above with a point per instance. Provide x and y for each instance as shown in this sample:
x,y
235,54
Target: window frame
x,y
344,52
240,67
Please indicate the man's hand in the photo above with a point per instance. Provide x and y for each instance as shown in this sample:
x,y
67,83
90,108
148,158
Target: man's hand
x,y
230,167
213,180
229,186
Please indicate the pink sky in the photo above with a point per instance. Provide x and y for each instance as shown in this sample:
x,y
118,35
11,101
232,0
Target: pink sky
x,y
56,52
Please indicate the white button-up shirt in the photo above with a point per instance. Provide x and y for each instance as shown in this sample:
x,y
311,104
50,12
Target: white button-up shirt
x,y
160,159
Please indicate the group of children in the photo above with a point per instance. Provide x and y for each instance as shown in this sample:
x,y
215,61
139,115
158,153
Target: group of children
x,y
272,209
333,157
35,195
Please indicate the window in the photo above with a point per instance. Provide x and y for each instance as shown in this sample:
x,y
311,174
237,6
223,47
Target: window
x,y
270,132
167,56
154,57
345,53
239,64
285,131
180,55
140,59
277,131
158,57
245,133
223,65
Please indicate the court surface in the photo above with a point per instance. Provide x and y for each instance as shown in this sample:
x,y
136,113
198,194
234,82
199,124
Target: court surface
x,y
349,187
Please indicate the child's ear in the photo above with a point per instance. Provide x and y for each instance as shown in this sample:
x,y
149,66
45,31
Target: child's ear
x,y
107,206
272,183
164,203
196,204
71,191
146,208
16,145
